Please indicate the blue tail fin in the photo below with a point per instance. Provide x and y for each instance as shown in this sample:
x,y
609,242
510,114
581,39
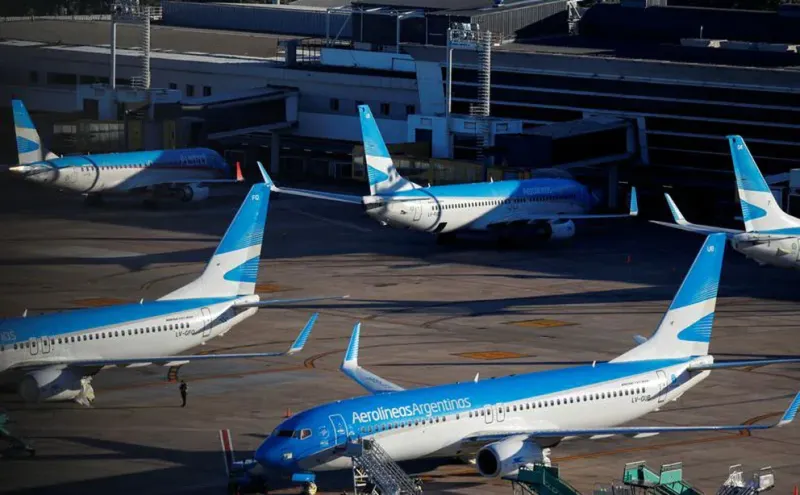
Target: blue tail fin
x,y
29,145
382,174
760,211
685,329
233,269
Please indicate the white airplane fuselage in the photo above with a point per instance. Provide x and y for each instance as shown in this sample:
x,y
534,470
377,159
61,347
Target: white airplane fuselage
x,y
480,206
495,406
118,332
768,249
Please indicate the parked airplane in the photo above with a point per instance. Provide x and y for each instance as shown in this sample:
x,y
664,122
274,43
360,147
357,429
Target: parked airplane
x,y
53,357
508,422
183,173
770,235
542,207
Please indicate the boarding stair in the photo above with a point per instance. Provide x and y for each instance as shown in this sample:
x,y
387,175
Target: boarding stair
x,y
376,473
667,481
736,484
541,479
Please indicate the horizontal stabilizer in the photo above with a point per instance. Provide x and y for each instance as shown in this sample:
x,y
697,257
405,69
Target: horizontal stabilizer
x,y
370,381
273,302
747,363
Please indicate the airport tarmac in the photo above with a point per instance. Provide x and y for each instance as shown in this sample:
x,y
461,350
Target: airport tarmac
x,y
431,314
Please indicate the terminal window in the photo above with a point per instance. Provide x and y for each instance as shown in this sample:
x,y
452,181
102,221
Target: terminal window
x,y
410,110
358,103
206,90
189,90
34,77
385,109
173,86
334,104
62,79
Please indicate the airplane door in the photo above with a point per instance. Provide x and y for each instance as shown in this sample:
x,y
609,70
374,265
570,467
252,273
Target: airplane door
x,y
45,345
339,429
34,347
489,414
501,413
206,322
417,212
663,384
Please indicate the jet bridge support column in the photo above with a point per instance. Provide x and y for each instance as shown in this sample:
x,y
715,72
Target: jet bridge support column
x,y
613,180
274,153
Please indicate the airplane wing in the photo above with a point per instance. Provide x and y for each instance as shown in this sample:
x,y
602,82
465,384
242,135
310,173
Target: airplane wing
x,y
342,198
179,360
269,302
370,381
637,431
682,224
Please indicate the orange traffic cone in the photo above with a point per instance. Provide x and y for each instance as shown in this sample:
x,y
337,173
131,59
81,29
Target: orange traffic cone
x,y
239,176
289,413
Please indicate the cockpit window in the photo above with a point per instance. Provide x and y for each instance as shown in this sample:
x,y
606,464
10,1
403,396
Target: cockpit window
x,y
285,433
305,433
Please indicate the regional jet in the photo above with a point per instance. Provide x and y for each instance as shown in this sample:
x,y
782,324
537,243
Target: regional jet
x,y
183,174
513,421
770,235
543,208
53,357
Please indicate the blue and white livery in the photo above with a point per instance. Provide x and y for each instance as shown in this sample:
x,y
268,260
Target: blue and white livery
x,y
182,173
770,236
54,356
508,422
542,207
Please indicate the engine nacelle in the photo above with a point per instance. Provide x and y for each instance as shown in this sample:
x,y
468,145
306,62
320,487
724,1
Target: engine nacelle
x,y
562,229
193,192
504,458
51,385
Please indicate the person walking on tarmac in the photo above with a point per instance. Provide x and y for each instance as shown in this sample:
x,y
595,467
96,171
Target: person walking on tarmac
x,y
183,389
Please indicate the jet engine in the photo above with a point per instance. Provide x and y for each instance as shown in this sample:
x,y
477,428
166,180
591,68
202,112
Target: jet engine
x,y
51,385
193,192
504,458
554,230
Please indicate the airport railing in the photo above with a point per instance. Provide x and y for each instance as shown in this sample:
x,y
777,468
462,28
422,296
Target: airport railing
x,y
374,469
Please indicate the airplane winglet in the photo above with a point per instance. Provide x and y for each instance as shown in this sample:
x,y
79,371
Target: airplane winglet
x,y
301,339
351,356
791,411
267,179
634,203
673,208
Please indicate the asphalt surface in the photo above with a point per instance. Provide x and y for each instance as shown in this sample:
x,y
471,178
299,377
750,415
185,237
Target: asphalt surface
x,y
424,309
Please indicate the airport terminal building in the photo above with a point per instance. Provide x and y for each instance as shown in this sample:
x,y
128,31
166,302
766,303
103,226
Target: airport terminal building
x,y
637,91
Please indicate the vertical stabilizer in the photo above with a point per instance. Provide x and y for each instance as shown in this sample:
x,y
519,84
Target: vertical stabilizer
x,y
382,174
760,211
29,145
233,269
685,330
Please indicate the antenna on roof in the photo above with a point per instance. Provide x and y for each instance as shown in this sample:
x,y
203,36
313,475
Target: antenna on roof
x,y
141,300
477,375
25,313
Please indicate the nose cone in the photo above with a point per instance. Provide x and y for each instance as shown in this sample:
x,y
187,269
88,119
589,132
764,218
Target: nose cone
x,y
275,455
